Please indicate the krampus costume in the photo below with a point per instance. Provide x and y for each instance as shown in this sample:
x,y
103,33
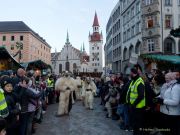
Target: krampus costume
x,y
111,102
78,89
90,91
65,85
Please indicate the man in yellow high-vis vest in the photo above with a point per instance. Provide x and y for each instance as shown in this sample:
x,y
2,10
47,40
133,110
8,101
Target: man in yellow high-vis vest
x,y
50,89
135,98
3,105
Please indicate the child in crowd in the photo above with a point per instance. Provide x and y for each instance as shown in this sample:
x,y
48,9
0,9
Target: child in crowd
x,y
11,100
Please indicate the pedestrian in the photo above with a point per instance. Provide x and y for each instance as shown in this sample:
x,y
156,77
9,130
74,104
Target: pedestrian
x,y
50,89
25,96
12,101
169,100
20,74
136,100
3,124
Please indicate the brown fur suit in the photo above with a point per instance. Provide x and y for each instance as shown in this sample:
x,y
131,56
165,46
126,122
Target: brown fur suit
x,y
65,85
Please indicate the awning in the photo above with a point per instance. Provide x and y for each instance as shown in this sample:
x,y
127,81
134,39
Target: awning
x,y
174,59
13,64
36,64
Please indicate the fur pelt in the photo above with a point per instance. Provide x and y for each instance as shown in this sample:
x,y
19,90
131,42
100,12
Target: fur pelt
x,y
61,85
89,95
78,88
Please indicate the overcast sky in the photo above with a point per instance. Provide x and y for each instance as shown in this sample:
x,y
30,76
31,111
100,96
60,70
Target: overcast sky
x,y
52,18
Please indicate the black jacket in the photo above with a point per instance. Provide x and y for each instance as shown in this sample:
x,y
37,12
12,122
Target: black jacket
x,y
11,100
123,93
25,95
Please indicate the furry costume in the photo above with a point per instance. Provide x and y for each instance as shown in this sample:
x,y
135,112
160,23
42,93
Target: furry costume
x,y
89,91
111,102
73,95
78,88
65,85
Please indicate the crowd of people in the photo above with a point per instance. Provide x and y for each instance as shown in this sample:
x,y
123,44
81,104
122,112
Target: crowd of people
x,y
23,100
143,103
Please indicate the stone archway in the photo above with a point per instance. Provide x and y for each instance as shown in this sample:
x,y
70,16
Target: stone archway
x,y
125,53
131,50
169,45
137,47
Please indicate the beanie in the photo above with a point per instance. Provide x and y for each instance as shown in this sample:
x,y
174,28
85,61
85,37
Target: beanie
x,y
134,70
5,81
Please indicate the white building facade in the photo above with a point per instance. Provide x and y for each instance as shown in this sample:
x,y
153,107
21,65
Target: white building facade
x,y
159,17
144,29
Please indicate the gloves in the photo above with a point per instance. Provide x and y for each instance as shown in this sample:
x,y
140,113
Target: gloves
x,y
158,101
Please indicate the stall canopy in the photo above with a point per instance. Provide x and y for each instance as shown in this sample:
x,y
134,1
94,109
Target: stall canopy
x,y
173,59
34,65
9,61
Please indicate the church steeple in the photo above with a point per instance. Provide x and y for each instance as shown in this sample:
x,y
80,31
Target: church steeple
x,y
67,38
96,23
83,48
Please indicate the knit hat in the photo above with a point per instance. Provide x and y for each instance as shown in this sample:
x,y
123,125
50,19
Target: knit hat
x,y
134,70
5,81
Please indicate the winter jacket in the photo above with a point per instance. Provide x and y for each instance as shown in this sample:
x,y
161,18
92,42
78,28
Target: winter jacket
x,y
25,96
11,100
171,94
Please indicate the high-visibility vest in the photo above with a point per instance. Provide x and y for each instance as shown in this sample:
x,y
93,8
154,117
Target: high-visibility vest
x,y
50,83
3,105
134,94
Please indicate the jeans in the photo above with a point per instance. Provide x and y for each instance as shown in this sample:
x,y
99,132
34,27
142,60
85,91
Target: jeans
x,y
23,123
126,115
29,123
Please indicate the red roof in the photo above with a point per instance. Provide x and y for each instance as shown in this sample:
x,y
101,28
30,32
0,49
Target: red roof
x,y
96,22
95,37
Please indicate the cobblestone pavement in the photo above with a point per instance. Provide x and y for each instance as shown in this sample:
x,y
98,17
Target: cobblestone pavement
x,y
79,122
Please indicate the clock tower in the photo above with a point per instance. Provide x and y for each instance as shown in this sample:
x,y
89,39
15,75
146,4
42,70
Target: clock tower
x,y
96,47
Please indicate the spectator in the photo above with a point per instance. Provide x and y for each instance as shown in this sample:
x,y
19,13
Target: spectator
x,y
11,100
136,99
122,106
20,74
170,104
25,96
3,124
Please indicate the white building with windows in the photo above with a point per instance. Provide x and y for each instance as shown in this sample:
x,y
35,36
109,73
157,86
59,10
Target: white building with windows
x,y
144,29
70,59
159,17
